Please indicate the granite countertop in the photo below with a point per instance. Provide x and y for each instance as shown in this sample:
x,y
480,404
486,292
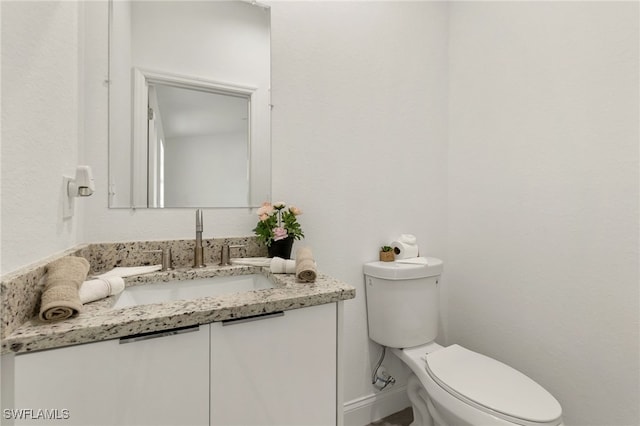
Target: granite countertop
x,y
99,321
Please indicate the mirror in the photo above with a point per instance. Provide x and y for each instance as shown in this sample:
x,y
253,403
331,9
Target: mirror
x,y
189,112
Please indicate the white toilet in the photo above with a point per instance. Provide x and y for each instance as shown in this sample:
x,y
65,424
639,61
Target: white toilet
x,y
451,386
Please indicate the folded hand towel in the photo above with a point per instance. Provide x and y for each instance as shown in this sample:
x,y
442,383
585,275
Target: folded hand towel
x,y
99,288
283,266
60,298
130,271
413,260
305,265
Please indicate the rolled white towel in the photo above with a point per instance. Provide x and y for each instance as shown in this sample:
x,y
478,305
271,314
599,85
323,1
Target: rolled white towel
x,y
99,288
130,271
283,266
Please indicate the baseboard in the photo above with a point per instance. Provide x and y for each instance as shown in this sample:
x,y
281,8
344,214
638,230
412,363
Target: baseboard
x,y
367,409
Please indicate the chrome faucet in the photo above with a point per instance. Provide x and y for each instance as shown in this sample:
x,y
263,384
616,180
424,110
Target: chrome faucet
x,y
198,256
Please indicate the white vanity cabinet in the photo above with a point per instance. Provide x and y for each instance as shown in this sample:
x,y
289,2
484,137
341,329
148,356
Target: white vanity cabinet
x,y
276,369
154,379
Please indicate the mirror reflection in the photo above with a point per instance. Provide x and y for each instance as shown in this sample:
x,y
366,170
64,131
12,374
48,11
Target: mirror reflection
x,y
189,113
198,148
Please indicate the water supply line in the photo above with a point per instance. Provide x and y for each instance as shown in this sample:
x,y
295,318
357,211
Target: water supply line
x,y
380,378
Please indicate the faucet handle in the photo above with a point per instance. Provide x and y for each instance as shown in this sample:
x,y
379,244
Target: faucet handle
x,y
225,255
167,262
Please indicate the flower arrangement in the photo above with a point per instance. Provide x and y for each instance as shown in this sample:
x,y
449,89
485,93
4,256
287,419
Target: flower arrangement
x,y
277,222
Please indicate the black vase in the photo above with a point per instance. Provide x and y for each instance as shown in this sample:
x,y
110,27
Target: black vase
x,y
281,248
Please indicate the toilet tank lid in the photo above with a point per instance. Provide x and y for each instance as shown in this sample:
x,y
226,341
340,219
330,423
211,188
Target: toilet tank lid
x,y
404,271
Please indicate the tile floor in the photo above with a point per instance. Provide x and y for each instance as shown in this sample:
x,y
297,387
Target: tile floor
x,y
401,418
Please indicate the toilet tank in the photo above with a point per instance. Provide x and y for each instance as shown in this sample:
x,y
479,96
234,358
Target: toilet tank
x,y
402,302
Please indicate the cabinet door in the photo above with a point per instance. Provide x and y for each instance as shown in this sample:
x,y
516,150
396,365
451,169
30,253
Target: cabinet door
x,y
165,379
160,380
74,383
275,370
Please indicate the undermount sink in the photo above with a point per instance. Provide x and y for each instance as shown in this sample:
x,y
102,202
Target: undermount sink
x,y
190,289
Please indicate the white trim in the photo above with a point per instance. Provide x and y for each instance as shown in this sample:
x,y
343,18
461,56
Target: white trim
x,y
196,83
339,363
373,407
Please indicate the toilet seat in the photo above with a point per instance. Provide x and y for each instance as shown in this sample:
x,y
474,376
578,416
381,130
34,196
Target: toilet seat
x,y
491,386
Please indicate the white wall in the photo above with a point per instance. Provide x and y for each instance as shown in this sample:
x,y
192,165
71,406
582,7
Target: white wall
x,y
206,169
359,139
40,127
543,197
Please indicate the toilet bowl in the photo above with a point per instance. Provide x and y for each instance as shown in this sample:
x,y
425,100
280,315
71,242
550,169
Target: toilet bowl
x,y
462,387
450,386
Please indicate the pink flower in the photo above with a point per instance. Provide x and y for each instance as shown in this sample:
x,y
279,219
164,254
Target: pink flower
x,y
295,211
264,217
279,233
266,209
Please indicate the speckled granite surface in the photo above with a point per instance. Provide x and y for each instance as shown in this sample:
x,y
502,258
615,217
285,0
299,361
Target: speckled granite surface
x,y
20,290
99,321
104,256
